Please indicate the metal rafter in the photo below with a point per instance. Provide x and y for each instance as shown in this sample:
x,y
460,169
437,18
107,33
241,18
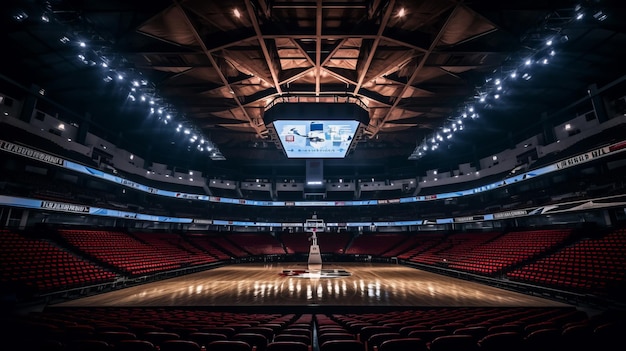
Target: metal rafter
x,y
302,51
372,132
370,55
334,51
339,76
260,129
268,58
306,56
298,75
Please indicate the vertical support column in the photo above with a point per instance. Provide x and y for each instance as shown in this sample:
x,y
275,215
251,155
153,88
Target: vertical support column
x,y
475,157
24,219
30,103
83,129
547,130
598,103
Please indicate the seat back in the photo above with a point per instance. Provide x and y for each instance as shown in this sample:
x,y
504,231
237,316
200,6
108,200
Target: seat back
x,y
179,345
291,337
367,331
88,345
322,338
228,331
403,344
229,345
113,337
609,336
477,332
454,343
253,339
297,331
427,335
376,339
265,331
157,338
287,346
342,345
509,341
544,340
135,345
203,339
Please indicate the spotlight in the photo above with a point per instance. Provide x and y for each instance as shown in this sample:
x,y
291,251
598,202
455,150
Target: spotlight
x,y
20,16
600,16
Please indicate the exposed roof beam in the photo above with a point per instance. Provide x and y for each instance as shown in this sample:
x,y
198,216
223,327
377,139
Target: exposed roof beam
x,y
297,75
339,76
403,43
370,55
149,35
260,129
228,39
334,51
271,64
373,130
265,8
302,51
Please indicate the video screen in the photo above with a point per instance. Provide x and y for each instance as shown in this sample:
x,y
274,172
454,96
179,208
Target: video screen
x,y
316,139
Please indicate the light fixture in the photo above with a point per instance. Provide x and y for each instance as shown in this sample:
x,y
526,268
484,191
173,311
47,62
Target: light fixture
x,y
20,16
600,16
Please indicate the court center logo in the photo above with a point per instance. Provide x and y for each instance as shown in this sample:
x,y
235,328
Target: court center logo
x,y
307,274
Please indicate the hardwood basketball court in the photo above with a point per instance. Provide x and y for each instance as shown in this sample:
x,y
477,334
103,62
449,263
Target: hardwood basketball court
x,y
256,284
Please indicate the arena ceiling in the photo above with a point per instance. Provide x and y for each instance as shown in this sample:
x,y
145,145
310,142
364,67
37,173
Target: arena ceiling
x,y
217,66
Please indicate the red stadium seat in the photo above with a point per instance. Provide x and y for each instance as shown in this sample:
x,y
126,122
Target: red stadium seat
x,y
229,345
179,345
403,344
287,346
342,345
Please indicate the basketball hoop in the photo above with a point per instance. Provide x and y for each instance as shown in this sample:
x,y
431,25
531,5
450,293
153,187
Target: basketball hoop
x,y
314,225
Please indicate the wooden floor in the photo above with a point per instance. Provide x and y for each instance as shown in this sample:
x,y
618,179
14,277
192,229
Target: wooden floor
x,y
263,285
